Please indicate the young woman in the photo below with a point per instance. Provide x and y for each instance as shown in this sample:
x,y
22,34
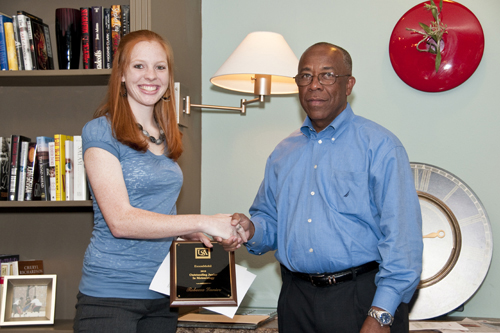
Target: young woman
x,y
130,152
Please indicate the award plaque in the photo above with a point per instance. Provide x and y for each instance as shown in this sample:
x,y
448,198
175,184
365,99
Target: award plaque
x,y
201,276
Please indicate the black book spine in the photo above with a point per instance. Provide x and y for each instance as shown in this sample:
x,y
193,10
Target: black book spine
x,y
86,38
97,36
4,167
15,154
108,44
125,19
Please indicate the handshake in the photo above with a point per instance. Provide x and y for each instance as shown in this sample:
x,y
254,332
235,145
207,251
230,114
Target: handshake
x,y
229,230
244,231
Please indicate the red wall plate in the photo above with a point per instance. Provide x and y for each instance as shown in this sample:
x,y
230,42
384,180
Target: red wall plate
x,y
461,53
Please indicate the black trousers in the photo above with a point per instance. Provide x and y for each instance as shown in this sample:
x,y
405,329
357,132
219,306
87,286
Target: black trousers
x,y
342,308
122,315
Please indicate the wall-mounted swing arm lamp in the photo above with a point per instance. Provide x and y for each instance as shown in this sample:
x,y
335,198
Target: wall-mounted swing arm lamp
x,y
263,64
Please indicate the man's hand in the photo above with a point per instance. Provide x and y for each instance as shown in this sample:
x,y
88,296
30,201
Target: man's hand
x,y
371,325
245,229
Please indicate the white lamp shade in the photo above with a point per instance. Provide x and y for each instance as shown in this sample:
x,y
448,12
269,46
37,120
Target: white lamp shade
x,y
261,52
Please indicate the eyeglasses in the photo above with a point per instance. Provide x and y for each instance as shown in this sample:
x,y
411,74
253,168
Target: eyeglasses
x,y
325,79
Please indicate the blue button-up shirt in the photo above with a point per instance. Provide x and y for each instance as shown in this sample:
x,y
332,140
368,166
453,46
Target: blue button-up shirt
x,y
339,199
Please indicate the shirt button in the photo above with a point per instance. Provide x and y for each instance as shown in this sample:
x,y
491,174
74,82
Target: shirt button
x,y
309,220
333,139
315,167
253,243
310,250
312,193
320,141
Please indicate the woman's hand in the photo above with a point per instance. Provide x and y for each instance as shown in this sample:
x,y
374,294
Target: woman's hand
x,y
198,236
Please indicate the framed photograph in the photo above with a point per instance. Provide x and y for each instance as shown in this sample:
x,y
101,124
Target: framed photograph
x,y
28,300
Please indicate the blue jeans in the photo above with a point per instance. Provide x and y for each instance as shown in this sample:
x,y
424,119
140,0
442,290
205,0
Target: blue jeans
x,y
123,315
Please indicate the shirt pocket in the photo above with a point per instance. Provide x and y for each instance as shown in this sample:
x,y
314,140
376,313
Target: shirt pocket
x,y
349,192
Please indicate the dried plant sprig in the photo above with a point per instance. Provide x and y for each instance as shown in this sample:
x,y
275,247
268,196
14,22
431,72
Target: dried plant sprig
x,y
435,31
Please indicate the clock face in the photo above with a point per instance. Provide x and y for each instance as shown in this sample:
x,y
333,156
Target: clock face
x,y
458,243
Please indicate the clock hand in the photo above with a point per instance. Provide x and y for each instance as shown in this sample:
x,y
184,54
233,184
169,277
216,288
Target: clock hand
x,y
439,233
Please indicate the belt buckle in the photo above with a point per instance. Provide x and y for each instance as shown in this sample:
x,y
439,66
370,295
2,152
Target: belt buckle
x,y
331,279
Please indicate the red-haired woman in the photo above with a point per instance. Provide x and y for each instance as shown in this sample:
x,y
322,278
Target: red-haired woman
x,y
130,152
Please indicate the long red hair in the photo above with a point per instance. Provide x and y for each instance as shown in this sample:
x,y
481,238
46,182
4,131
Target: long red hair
x,y
117,109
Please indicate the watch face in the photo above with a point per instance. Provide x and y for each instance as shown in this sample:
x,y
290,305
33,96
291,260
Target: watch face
x,y
385,318
458,243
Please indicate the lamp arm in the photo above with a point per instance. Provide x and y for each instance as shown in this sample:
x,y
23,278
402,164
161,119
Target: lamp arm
x,y
242,109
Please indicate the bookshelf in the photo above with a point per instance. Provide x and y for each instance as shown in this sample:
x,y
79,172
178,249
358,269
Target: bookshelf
x,y
35,103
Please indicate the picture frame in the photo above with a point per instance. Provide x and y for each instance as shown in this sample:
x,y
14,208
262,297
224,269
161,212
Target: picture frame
x,y
28,300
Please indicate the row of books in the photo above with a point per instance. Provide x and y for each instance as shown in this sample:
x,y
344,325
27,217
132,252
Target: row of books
x,y
47,169
24,42
102,30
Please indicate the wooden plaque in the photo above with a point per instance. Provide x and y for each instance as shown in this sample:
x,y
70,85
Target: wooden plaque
x,y
201,276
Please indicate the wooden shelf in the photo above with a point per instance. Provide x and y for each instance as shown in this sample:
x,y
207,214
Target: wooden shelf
x,y
61,326
57,77
41,204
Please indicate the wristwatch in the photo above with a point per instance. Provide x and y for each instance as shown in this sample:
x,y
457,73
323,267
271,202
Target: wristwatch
x,y
383,317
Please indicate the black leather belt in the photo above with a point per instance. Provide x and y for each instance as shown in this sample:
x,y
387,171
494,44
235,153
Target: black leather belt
x,y
328,279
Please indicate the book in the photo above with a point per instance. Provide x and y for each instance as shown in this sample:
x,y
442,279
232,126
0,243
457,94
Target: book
x,y
97,36
43,165
42,59
68,163
30,267
32,174
15,155
17,38
48,42
108,47
23,163
116,27
85,15
31,21
31,42
125,19
9,268
4,61
80,177
25,42
4,167
52,170
10,43
60,140
9,257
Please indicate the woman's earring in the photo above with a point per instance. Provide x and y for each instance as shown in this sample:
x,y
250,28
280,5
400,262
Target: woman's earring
x,y
166,99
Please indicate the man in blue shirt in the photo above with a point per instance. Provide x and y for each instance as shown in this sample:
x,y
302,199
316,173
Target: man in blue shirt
x,y
339,206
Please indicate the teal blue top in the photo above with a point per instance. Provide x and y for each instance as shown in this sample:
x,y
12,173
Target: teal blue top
x,y
119,267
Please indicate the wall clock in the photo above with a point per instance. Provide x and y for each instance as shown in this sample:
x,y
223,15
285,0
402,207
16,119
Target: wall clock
x,y
458,244
461,51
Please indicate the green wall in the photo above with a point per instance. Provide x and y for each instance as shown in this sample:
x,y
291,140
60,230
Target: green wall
x,y
456,130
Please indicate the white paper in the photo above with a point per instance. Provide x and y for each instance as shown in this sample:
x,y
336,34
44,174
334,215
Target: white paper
x,y
161,281
436,325
244,279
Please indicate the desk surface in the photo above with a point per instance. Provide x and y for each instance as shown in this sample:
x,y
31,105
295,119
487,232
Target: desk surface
x,y
272,326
